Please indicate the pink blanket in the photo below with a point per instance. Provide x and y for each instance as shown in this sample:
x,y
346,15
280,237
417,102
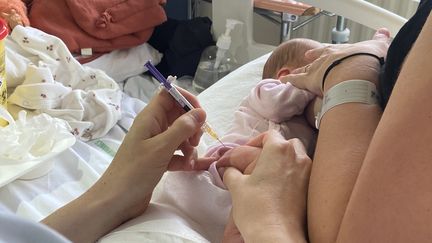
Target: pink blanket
x,y
103,25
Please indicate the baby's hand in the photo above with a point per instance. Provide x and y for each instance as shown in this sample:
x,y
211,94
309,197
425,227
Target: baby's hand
x,y
242,158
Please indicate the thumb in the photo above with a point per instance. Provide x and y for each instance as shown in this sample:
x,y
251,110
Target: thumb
x,y
382,34
231,178
183,128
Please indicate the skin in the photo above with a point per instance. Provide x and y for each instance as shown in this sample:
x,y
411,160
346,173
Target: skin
x,y
342,138
280,174
392,198
231,233
145,154
371,183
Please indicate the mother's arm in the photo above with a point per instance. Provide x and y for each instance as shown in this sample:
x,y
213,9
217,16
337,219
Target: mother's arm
x,y
390,201
392,198
345,133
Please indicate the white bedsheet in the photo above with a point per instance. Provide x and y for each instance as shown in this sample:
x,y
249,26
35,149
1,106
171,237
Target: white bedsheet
x,y
177,215
222,99
126,63
75,170
169,219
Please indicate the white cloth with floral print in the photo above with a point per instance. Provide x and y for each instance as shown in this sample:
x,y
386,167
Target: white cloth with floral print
x,y
48,79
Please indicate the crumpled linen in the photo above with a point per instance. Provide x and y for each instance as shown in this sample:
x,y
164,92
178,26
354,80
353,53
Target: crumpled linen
x,y
49,80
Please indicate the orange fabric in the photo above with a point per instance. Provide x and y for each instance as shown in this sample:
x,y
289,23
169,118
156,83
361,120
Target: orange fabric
x,y
98,24
7,5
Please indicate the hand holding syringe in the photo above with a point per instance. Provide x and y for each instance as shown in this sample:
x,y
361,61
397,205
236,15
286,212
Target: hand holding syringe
x,y
187,106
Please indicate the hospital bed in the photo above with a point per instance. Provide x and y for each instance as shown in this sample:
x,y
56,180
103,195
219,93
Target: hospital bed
x,y
247,49
77,168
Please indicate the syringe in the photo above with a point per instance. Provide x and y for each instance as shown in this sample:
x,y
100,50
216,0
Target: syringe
x,y
187,106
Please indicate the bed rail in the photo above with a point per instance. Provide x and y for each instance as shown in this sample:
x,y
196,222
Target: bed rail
x,y
362,12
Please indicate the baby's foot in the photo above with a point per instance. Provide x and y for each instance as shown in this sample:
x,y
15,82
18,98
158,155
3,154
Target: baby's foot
x,y
12,18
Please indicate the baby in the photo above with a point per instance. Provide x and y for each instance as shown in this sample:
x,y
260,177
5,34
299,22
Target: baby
x,y
272,104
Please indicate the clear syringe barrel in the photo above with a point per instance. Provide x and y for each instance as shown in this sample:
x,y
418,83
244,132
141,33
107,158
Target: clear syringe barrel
x,y
187,106
206,128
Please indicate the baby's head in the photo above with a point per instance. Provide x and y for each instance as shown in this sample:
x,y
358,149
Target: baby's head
x,y
288,56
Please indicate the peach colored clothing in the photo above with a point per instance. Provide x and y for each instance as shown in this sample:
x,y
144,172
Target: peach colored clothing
x,y
7,5
98,24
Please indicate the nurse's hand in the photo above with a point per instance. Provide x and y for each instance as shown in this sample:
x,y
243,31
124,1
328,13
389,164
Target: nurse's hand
x,y
148,149
244,159
125,189
310,77
269,205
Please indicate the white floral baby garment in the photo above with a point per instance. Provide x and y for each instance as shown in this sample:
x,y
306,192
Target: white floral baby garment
x,y
48,79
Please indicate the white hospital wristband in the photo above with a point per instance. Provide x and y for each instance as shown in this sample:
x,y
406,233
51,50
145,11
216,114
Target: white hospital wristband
x,y
351,91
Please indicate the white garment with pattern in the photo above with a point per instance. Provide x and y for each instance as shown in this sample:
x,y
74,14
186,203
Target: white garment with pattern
x,y
48,79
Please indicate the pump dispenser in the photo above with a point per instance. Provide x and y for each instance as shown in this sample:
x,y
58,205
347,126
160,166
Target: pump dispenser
x,y
224,41
216,61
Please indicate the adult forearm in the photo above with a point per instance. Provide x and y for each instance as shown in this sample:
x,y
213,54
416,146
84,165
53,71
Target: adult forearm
x,y
392,197
342,144
92,215
345,133
288,233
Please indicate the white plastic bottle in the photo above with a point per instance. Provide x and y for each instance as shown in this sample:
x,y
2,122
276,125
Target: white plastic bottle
x,y
216,61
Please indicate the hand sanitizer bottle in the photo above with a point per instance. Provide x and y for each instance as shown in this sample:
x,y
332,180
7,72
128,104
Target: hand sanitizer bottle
x,y
216,61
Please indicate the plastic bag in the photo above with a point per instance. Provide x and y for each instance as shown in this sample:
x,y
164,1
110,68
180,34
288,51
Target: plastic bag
x,y
28,145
